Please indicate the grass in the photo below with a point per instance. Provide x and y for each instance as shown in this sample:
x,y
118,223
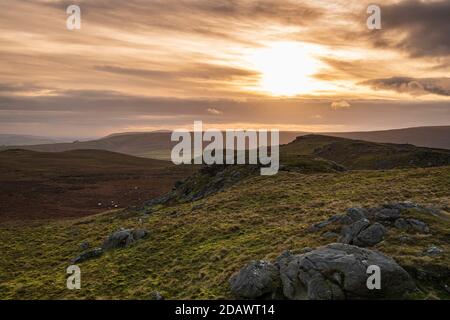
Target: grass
x,y
194,248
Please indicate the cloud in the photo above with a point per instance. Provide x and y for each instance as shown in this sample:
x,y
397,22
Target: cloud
x,y
341,104
420,28
414,86
214,111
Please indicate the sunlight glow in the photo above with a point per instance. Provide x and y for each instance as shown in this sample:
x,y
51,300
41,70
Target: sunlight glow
x,y
286,68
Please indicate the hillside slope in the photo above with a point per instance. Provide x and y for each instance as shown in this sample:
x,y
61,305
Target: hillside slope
x,y
192,249
357,155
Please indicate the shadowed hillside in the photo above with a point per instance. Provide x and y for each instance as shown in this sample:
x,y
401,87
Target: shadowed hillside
x,y
431,137
356,155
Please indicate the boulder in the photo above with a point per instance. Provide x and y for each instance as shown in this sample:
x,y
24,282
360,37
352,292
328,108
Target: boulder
x,y
348,233
370,236
123,239
339,271
256,280
88,255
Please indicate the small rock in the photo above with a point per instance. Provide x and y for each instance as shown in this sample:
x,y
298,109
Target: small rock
x,y
84,245
387,214
156,296
401,224
434,251
419,226
414,224
357,213
330,235
88,255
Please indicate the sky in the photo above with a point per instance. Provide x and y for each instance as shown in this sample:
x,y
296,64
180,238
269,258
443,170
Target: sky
x,y
143,65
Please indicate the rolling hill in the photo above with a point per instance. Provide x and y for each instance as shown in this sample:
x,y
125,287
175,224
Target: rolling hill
x,y
157,145
24,140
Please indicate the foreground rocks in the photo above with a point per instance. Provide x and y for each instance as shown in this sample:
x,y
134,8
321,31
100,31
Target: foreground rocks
x,y
335,271
366,227
119,239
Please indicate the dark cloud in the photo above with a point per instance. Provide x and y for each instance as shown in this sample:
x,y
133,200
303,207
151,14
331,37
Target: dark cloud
x,y
415,86
195,71
426,25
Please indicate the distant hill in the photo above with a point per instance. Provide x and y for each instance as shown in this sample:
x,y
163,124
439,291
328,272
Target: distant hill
x,y
157,145
357,154
431,137
42,185
24,140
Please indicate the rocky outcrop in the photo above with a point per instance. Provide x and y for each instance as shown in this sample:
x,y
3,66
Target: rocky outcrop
x,y
257,280
335,271
119,239
123,239
366,227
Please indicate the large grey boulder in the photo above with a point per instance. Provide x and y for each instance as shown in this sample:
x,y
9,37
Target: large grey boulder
x,y
339,271
256,280
123,239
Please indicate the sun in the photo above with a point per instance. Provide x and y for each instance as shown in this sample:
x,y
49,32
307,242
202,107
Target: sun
x,y
286,68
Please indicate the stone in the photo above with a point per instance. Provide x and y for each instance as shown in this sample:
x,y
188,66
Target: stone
x,y
84,245
256,280
123,239
419,226
434,251
88,255
357,213
412,224
387,214
348,233
370,236
330,235
339,271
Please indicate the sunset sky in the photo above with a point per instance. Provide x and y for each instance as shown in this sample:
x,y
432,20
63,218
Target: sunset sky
x,y
142,65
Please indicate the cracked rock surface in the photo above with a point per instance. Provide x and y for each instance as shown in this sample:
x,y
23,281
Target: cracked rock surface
x,y
335,271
